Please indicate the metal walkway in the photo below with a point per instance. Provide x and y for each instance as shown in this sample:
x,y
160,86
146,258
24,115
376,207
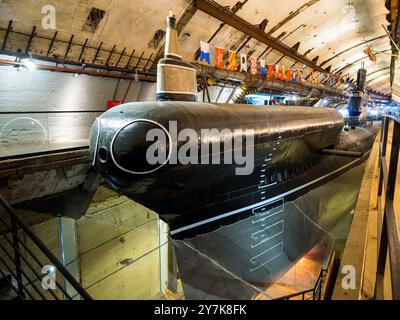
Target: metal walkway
x,y
370,266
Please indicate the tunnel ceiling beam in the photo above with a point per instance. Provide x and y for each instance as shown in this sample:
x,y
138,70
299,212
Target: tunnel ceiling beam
x,y
376,71
238,6
353,47
358,60
220,13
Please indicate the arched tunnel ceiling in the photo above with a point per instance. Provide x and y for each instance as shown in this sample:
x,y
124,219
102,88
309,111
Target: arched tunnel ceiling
x,y
336,31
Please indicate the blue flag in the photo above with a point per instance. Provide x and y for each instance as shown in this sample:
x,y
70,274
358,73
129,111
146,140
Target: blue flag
x,y
205,52
294,75
262,66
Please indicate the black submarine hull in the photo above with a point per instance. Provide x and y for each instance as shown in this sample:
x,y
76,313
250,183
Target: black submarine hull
x,y
197,198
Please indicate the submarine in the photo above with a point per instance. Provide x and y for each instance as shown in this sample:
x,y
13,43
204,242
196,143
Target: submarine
x,y
244,189
290,148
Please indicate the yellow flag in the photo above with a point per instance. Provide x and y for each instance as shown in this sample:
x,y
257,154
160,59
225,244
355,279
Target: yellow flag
x,y
232,65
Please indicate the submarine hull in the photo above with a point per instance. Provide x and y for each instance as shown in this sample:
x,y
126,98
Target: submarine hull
x,y
194,198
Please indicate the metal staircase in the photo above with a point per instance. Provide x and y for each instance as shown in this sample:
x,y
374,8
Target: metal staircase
x,y
311,294
6,291
28,269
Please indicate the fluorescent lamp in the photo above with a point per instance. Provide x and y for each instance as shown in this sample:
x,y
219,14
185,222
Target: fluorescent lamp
x,y
29,64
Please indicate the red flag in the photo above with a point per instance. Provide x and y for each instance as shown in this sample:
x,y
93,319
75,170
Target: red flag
x,y
253,65
219,54
270,71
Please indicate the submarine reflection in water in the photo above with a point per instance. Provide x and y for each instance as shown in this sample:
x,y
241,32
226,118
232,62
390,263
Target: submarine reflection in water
x,y
199,199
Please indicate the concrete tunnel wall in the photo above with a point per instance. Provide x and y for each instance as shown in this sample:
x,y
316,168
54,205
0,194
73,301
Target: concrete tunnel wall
x,y
43,110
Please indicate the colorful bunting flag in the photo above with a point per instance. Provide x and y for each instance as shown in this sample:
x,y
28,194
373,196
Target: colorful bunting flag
x,y
293,75
232,65
283,73
332,79
205,52
243,62
262,66
288,75
219,55
299,76
270,71
277,72
317,76
253,65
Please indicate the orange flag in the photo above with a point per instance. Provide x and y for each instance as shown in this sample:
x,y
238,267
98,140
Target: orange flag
x,y
283,73
288,74
232,65
298,75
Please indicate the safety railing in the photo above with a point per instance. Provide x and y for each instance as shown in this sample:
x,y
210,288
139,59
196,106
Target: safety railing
x,y
21,256
388,230
310,294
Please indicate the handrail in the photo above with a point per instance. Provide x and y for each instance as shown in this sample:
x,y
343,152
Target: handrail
x,y
360,122
316,291
17,221
43,153
388,233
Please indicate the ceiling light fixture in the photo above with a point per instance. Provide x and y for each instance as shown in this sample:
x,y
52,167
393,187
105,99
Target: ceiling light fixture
x,y
29,63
